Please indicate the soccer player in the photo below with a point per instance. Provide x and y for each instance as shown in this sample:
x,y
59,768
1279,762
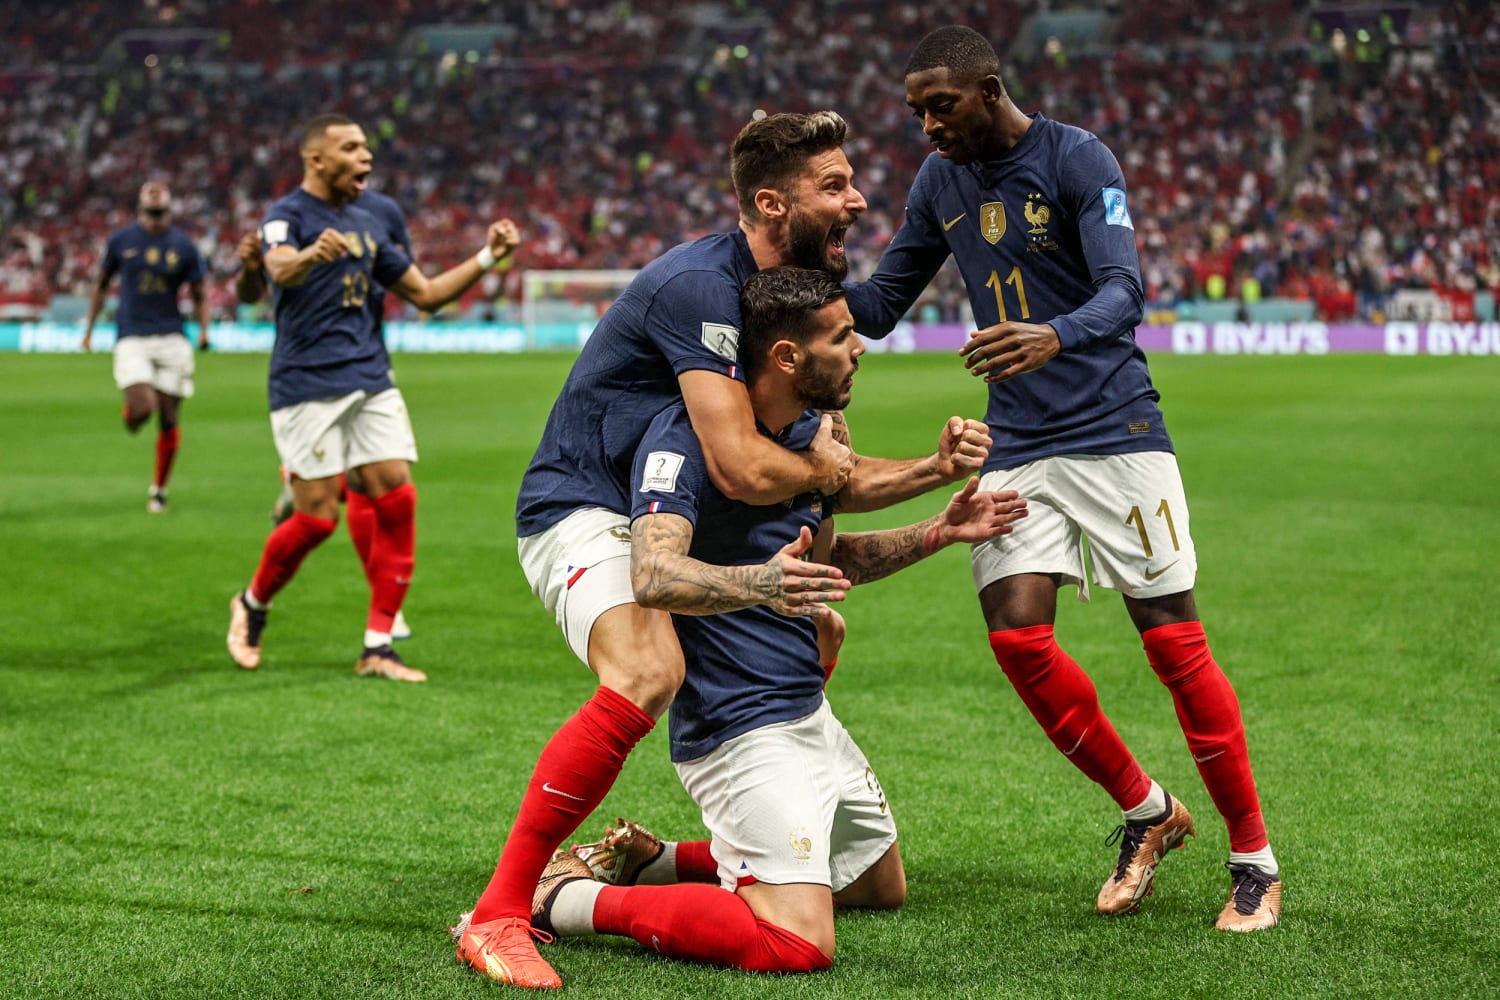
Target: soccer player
x,y
334,407
359,509
1035,214
153,359
671,335
752,736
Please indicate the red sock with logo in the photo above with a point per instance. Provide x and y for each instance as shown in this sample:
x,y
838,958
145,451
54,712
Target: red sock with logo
x,y
392,554
359,514
285,549
1210,717
577,767
705,924
1063,700
166,451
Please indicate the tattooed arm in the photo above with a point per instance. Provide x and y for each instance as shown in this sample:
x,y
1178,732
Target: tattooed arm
x,y
667,578
877,483
970,516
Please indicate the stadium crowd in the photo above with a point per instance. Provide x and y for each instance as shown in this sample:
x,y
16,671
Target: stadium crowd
x,y
1260,164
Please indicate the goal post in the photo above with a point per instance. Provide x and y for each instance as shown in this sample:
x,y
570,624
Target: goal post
x,y
560,308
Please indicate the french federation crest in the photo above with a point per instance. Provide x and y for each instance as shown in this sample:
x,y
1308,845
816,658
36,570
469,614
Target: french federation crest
x,y
153,256
992,221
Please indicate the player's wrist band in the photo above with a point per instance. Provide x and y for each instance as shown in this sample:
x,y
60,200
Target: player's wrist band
x,y
485,258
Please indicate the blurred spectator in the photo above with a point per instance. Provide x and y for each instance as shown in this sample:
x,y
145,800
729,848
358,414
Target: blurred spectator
x,y
1255,158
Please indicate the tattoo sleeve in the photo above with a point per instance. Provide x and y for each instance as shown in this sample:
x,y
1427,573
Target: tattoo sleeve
x,y
666,577
865,556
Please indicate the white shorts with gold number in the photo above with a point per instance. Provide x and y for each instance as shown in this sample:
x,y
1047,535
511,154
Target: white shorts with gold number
x,y
793,802
164,361
324,437
580,568
1131,509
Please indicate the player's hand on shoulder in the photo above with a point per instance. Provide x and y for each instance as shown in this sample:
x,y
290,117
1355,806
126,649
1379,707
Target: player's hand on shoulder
x,y
832,460
249,251
963,446
329,246
504,236
975,515
791,585
1006,350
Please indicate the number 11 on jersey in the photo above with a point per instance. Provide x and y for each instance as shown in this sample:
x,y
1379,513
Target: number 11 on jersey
x,y
1014,280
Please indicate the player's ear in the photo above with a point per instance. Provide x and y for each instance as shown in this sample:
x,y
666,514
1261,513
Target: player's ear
x,y
770,204
784,355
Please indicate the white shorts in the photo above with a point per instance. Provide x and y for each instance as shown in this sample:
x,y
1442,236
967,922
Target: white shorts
x,y
163,361
324,437
794,802
1131,508
580,568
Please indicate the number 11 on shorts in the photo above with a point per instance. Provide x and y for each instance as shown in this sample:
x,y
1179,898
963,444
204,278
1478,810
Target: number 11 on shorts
x,y
1164,511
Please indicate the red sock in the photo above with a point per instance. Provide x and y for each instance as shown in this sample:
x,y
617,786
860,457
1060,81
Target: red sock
x,y
1062,698
695,863
700,923
1210,717
359,514
828,670
392,554
285,549
166,451
577,767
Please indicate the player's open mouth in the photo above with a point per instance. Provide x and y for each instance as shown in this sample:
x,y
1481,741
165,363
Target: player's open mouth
x,y
836,238
360,180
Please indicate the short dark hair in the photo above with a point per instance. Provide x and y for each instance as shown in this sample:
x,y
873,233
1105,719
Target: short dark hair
x,y
769,152
313,130
779,303
963,52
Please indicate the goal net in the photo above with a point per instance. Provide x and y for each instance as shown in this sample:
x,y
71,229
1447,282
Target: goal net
x,y
559,308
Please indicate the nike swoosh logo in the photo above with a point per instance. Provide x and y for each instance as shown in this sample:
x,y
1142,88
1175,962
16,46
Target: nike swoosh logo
x,y
1205,760
1153,574
1069,753
949,225
547,787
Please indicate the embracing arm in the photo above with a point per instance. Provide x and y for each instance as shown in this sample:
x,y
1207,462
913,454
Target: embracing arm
x,y
743,463
971,516
665,577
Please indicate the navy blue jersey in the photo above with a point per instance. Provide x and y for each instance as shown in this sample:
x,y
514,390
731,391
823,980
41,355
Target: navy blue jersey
x,y
327,339
1041,235
152,271
748,668
681,313
390,216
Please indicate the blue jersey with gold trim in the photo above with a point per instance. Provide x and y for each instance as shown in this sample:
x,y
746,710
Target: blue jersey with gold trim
x,y
152,271
1041,235
328,340
748,668
681,313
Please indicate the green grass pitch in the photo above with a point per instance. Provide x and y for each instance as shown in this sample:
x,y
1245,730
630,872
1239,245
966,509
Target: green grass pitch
x,y
175,827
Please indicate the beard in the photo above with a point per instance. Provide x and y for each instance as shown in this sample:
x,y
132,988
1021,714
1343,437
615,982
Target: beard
x,y
821,390
808,244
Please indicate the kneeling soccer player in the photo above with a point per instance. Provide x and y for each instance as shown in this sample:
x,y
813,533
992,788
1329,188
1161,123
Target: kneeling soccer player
x,y
797,818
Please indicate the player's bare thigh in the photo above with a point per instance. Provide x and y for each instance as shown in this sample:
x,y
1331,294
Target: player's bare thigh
x,y
634,652
1020,601
316,497
804,909
881,887
376,479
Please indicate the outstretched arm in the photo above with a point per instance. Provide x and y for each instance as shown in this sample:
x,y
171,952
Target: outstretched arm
x,y
431,294
877,483
971,516
667,578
